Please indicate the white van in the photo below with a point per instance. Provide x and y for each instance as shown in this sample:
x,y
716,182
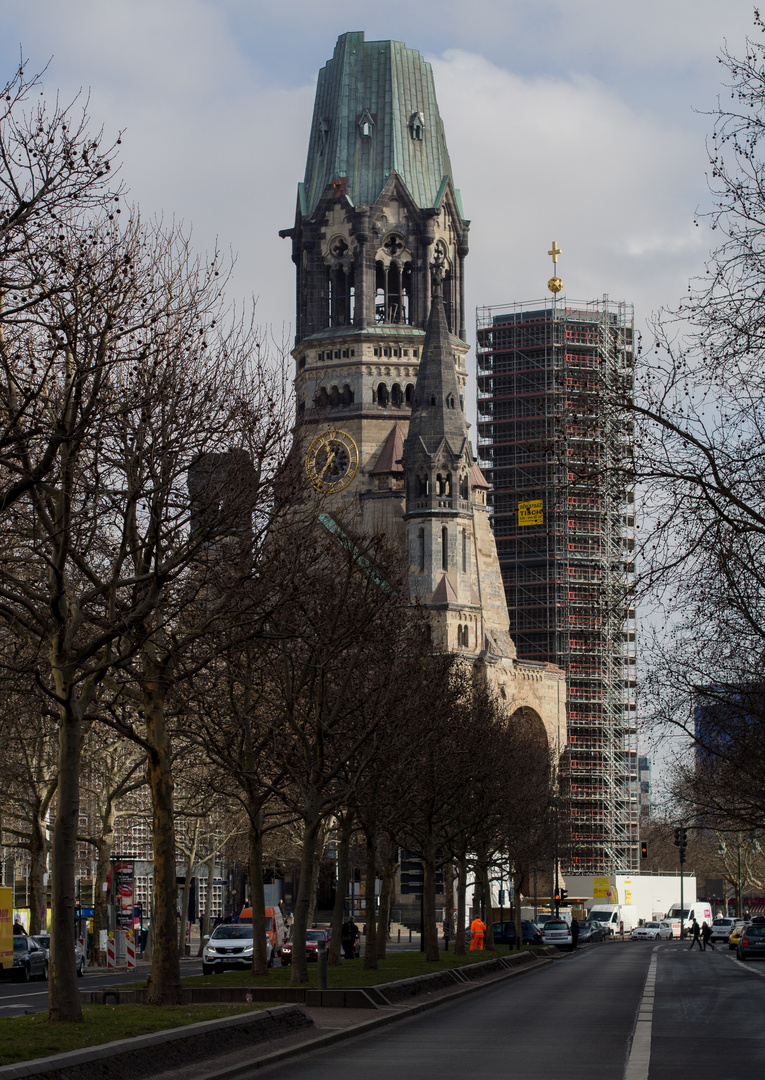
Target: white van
x,y
614,918
699,910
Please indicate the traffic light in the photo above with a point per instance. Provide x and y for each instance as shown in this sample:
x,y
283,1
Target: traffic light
x,y
644,850
557,896
563,895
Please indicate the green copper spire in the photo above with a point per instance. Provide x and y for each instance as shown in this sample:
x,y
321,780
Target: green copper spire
x,y
375,113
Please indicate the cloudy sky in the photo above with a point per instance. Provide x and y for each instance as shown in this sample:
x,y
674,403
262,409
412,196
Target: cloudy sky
x,y
575,120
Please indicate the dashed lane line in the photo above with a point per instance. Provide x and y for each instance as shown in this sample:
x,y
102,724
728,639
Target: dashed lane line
x,y
640,1051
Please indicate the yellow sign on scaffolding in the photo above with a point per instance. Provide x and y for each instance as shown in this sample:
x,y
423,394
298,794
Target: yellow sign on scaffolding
x,y
530,513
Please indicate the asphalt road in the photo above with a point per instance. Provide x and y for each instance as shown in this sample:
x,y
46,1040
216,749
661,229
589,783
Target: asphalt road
x,y
17,998
691,1015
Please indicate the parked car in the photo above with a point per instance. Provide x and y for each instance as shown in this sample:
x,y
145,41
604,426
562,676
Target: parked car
x,y
504,933
43,940
722,927
230,946
312,939
30,960
652,931
557,932
590,932
752,941
735,935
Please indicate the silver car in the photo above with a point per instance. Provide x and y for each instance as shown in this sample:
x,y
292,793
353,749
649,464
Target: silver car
x,y
43,940
652,931
230,946
722,928
557,932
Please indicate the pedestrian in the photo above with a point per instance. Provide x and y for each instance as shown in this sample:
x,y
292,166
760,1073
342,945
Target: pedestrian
x,y
706,937
574,932
349,934
477,930
696,935
17,927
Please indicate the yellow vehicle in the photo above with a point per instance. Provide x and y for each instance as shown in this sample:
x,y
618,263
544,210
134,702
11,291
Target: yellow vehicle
x,y
6,929
733,940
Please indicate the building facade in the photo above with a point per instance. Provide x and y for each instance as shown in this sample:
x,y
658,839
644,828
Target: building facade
x,y
559,461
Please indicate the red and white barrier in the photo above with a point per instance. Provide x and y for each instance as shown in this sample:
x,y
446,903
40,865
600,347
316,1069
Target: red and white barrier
x,y
130,950
110,962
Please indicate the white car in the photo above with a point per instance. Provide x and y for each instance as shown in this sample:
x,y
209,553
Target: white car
x,y
230,946
722,928
557,932
652,931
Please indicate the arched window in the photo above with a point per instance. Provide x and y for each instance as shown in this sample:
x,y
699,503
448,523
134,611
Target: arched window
x,y
464,489
382,395
322,400
464,551
421,545
459,636
448,484
334,396
466,636
396,396
341,290
444,548
421,485
347,395
409,397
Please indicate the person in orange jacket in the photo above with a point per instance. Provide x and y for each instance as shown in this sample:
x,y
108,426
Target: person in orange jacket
x,y
477,930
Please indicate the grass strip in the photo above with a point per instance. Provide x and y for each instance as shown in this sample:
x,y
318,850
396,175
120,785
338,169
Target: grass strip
x,y
26,1037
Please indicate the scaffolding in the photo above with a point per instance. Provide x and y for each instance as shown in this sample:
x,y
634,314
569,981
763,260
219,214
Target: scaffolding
x,y
558,452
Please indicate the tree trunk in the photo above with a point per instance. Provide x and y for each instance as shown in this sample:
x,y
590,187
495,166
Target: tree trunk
x,y
488,917
257,895
459,926
449,896
370,946
430,929
104,847
63,994
205,928
38,846
517,880
343,870
386,896
315,868
165,985
191,858
299,976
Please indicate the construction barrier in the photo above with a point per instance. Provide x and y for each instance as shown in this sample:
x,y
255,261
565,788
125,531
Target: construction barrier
x,y
110,962
130,950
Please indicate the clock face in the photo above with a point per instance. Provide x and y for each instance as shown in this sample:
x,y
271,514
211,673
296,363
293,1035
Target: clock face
x,y
332,461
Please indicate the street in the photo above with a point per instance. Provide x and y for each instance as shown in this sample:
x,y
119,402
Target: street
x,y
576,1020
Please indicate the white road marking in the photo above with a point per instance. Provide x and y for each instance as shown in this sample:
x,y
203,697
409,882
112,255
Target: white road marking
x,y
640,1053
747,967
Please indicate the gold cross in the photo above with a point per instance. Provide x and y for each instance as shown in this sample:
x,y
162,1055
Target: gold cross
x,y
555,251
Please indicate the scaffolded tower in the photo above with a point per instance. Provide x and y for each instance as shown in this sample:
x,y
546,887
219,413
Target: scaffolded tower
x,y
558,455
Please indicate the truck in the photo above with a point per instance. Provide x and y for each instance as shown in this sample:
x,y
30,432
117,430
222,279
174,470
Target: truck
x,y
614,918
651,895
6,930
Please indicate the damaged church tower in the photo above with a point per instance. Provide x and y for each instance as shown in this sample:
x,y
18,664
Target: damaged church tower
x,y
379,245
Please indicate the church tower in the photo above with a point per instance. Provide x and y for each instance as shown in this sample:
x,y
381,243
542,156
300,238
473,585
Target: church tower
x,y
377,205
379,246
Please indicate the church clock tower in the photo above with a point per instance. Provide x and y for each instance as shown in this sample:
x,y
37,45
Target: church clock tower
x,y
376,207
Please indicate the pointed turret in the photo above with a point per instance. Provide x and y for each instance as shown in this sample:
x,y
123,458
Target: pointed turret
x,y
438,409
